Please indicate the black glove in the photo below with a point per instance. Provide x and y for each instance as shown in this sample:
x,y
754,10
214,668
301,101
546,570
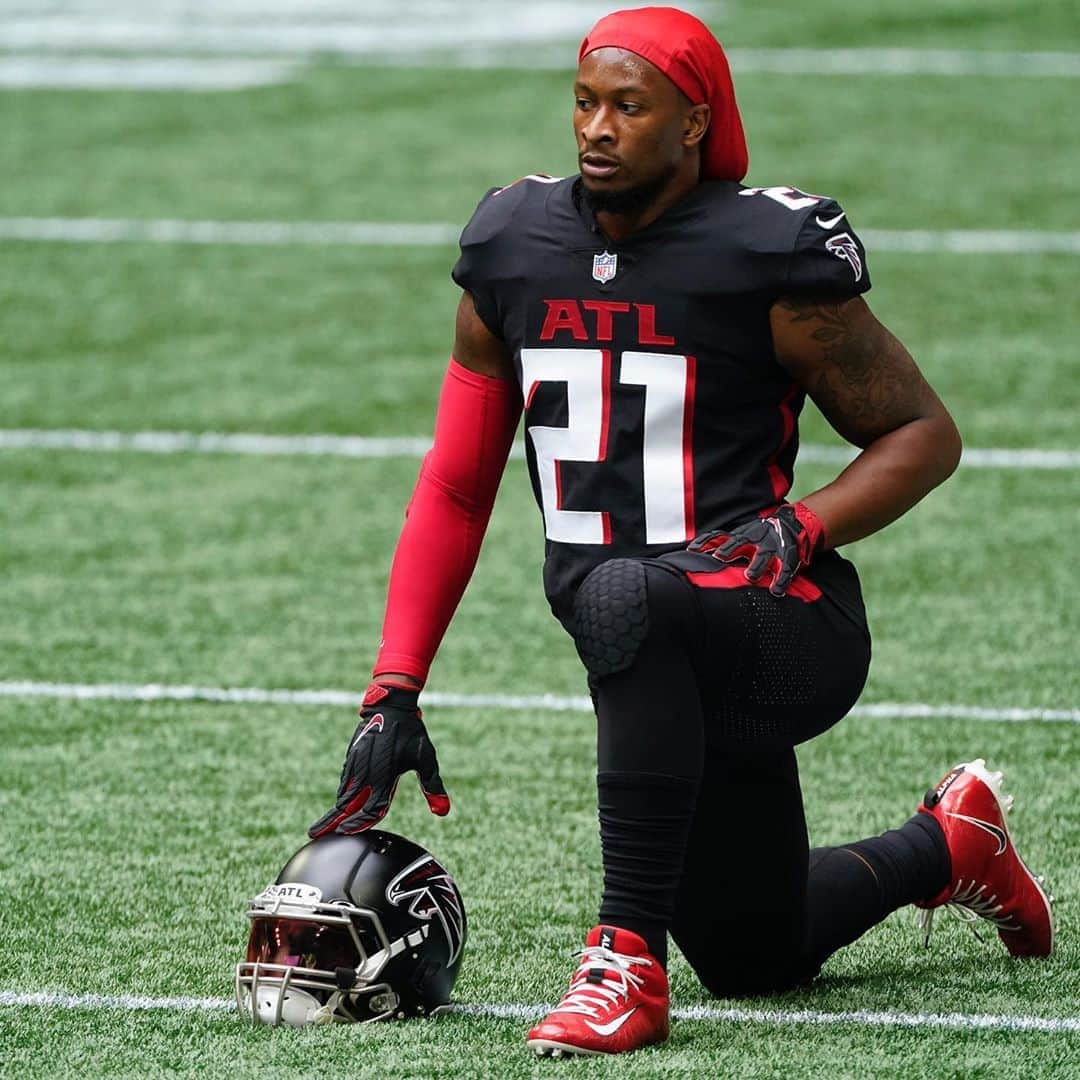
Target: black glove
x,y
389,740
780,544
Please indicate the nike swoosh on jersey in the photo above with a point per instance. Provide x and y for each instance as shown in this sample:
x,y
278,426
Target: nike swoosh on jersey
x,y
614,1025
993,830
829,223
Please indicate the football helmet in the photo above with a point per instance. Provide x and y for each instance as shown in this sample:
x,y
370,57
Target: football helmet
x,y
355,928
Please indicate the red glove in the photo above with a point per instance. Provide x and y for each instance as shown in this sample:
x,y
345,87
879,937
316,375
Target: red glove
x,y
389,740
779,545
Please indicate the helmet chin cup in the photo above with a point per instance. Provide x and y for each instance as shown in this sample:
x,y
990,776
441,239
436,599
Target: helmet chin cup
x,y
284,1005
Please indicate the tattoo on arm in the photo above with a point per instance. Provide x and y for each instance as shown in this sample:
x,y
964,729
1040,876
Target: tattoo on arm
x,y
860,376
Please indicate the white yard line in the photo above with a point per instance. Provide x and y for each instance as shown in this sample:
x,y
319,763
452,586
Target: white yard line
x,y
901,61
857,1017
57,999
438,234
539,34
140,73
518,34
515,1011
532,49
210,442
253,695
253,444
972,241
372,29
858,61
258,233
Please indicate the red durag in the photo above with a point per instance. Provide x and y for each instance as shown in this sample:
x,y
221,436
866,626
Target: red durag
x,y
684,49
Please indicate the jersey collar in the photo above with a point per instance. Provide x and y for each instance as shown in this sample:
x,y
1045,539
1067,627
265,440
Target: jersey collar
x,y
679,214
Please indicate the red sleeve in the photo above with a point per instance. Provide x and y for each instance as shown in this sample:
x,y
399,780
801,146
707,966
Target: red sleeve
x,y
447,516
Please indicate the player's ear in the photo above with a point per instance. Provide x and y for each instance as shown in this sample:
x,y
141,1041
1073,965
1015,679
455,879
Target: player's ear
x,y
697,123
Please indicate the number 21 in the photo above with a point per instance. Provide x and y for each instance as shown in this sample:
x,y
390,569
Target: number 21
x,y
667,457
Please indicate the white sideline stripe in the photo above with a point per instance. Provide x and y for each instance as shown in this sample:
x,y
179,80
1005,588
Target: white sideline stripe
x,y
972,241
900,711
532,35
268,233
970,63
253,695
778,1017
59,1000
362,446
512,33
139,73
859,1017
371,29
901,61
438,234
211,442
973,457
538,53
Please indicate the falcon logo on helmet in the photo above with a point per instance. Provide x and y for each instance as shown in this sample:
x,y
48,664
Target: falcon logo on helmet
x,y
433,893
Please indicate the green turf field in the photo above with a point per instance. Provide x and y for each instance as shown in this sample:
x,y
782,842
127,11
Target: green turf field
x,y
132,834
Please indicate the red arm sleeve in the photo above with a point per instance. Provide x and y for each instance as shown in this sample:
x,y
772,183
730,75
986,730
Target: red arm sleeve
x,y
447,516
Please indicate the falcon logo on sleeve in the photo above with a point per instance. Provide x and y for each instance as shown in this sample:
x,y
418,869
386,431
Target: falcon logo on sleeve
x,y
843,247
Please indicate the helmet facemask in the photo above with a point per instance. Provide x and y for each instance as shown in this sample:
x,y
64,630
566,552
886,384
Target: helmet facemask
x,y
310,962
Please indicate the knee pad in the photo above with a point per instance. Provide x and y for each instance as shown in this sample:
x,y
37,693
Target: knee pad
x,y
611,617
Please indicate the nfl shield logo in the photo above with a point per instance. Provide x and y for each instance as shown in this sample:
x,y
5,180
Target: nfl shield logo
x,y
604,266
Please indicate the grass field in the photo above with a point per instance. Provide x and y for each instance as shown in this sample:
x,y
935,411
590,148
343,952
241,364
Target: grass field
x,y
133,833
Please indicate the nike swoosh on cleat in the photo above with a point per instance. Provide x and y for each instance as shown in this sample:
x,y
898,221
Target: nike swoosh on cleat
x,y
611,1028
993,830
828,223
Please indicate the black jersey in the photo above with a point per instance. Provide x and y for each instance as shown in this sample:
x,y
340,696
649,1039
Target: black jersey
x,y
655,408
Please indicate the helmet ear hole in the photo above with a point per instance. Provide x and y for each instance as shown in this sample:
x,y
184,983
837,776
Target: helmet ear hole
x,y
425,971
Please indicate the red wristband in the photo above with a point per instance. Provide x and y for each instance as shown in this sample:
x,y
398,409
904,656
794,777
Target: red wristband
x,y
814,535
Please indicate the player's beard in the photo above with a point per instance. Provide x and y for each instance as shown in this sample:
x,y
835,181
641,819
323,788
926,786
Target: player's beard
x,y
630,201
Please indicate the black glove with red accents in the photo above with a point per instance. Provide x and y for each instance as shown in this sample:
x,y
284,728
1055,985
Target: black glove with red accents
x,y
389,740
779,545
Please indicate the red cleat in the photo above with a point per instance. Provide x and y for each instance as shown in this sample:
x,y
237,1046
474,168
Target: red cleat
x,y
989,879
617,1001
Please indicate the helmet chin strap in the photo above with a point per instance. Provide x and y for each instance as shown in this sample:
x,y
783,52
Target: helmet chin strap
x,y
324,1014
346,978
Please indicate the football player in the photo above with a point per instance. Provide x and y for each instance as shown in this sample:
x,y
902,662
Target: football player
x,y
661,324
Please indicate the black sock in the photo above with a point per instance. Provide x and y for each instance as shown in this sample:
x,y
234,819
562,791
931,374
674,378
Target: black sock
x,y
910,863
854,886
644,825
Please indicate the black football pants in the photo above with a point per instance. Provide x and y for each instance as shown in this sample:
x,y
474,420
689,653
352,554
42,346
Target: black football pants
x,y
703,685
